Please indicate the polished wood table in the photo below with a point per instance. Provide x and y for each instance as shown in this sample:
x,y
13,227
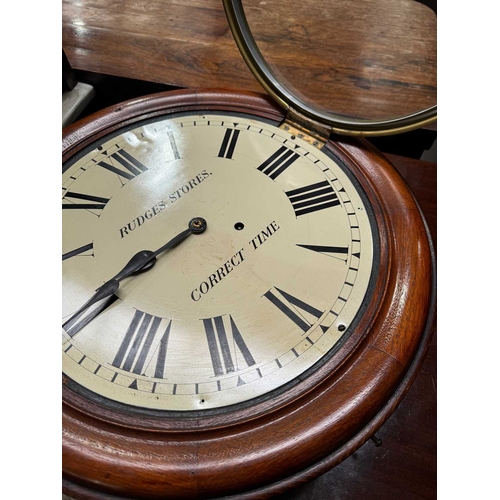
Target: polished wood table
x,y
382,57
369,58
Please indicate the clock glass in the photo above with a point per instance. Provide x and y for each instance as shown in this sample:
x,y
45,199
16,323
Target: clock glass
x,y
270,289
357,75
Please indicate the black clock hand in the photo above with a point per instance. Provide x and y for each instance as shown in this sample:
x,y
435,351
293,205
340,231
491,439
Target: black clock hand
x,y
140,262
145,259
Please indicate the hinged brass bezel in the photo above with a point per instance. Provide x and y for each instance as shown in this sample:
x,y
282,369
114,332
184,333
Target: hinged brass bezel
x,y
288,100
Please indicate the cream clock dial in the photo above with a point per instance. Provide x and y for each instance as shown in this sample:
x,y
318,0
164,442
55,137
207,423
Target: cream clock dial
x,y
270,289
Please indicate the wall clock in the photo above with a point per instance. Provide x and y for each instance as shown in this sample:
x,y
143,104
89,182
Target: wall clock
x,y
246,298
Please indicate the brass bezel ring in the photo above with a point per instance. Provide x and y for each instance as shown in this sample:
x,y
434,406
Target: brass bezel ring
x,y
287,100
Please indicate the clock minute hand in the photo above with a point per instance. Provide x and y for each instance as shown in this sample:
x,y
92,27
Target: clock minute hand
x,y
140,262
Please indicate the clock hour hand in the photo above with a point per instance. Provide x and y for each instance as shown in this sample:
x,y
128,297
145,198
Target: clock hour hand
x,y
145,259
140,262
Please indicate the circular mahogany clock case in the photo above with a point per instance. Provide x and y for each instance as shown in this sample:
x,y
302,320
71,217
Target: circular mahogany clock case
x,y
244,303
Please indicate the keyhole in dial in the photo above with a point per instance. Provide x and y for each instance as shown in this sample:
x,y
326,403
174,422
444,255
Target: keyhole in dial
x,y
239,226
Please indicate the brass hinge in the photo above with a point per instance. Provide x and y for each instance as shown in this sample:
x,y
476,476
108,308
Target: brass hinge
x,y
311,131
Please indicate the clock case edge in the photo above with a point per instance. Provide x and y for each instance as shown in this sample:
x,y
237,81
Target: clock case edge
x,y
394,362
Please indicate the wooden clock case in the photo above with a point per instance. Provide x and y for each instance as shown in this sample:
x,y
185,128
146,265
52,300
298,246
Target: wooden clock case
x,y
265,446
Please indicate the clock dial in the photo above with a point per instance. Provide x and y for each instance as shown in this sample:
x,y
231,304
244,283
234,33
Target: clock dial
x,y
270,289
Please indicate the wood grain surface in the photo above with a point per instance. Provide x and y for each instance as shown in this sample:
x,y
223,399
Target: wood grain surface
x,y
369,58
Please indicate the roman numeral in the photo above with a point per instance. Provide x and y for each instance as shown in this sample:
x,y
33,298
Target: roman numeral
x,y
336,252
121,160
78,251
173,145
312,198
136,344
162,353
278,162
228,143
221,352
79,321
94,202
292,307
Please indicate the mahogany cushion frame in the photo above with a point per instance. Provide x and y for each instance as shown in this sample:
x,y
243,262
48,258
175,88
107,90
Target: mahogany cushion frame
x,y
264,448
